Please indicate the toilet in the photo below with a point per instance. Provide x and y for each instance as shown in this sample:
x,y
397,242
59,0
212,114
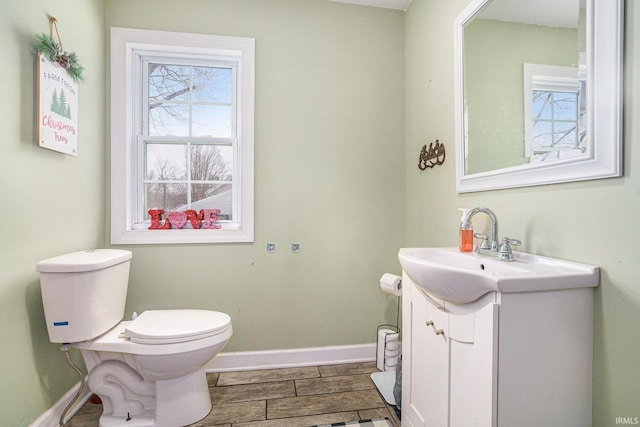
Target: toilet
x,y
148,371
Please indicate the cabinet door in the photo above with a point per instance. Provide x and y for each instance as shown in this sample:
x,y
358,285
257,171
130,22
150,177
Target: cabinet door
x,y
425,364
414,387
436,367
473,342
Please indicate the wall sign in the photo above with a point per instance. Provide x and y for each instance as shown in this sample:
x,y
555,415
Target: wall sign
x,y
57,108
59,72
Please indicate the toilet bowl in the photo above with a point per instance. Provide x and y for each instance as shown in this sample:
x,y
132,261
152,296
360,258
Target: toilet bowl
x,y
157,363
148,371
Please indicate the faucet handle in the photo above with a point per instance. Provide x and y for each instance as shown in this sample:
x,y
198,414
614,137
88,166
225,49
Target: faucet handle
x,y
506,245
510,241
485,240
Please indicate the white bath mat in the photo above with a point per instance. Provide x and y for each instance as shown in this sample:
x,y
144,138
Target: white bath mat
x,y
385,381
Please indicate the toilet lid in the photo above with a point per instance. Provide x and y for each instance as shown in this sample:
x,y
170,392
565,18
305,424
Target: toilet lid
x,y
173,326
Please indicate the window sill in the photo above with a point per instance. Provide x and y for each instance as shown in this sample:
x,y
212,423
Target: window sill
x,y
153,237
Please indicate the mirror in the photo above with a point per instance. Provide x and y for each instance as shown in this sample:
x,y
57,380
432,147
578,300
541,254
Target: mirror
x,y
538,94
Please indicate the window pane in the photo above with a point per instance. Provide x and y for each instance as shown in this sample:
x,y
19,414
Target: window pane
x,y
165,162
212,120
565,134
168,82
226,156
541,104
211,163
542,136
212,85
566,106
213,196
164,196
168,119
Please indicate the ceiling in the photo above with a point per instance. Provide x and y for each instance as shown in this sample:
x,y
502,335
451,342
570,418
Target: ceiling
x,y
557,13
388,4
554,13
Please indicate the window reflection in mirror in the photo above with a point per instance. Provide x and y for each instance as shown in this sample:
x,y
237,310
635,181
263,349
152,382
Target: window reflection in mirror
x,y
498,101
554,112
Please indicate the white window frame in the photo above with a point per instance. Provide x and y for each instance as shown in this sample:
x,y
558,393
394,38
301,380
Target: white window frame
x,y
551,78
126,44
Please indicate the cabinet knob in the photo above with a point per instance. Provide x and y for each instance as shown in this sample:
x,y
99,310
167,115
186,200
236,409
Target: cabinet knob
x,y
429,323
440,332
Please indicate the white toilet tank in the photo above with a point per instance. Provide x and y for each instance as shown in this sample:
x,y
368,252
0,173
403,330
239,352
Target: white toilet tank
x,y
84,293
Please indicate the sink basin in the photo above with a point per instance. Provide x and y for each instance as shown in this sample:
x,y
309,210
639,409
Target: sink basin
x,y
463,277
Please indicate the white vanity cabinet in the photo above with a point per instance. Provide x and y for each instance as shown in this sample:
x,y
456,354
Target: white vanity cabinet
x,y
507,359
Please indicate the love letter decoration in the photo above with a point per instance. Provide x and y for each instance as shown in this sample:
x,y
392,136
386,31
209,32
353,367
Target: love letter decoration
x,y
204,219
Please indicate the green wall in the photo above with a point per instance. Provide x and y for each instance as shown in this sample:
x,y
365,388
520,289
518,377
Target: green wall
x,y
592,222
495,52
328,175
52,203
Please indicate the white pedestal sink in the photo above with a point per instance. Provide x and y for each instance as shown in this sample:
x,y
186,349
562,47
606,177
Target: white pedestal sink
x,y
462,277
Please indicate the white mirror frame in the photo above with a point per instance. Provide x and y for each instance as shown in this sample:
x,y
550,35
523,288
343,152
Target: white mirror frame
x,y
604,108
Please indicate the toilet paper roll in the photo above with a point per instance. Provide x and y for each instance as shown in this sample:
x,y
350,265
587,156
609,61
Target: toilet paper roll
x,y
391,284
392,345
388,349
390,362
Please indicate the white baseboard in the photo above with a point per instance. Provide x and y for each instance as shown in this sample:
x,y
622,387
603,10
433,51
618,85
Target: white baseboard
x,y
238,361
51,417
271,359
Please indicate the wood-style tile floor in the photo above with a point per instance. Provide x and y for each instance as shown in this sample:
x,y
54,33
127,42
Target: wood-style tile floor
x,y
288,397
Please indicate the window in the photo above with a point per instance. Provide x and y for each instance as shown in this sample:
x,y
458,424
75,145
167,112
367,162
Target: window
x,y
555,112
181,138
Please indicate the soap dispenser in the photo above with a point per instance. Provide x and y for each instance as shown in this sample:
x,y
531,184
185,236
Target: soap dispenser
x,y
465,238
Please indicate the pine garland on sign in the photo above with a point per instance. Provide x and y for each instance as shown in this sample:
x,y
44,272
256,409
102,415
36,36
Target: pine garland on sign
x,y
53,51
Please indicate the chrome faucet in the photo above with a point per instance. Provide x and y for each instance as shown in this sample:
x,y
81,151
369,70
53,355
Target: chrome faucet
x,y
494,250
494,224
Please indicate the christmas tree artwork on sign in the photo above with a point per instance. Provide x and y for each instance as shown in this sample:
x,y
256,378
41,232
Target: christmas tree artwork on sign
x,y
57,108
59,105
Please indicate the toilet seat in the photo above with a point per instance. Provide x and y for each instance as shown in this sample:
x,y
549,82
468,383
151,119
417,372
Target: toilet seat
x,y
175,326
115,340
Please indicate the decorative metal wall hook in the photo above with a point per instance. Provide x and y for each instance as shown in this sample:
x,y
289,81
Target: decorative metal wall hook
x,y
432,156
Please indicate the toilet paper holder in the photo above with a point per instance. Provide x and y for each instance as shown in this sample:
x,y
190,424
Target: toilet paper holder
x,y
388,349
